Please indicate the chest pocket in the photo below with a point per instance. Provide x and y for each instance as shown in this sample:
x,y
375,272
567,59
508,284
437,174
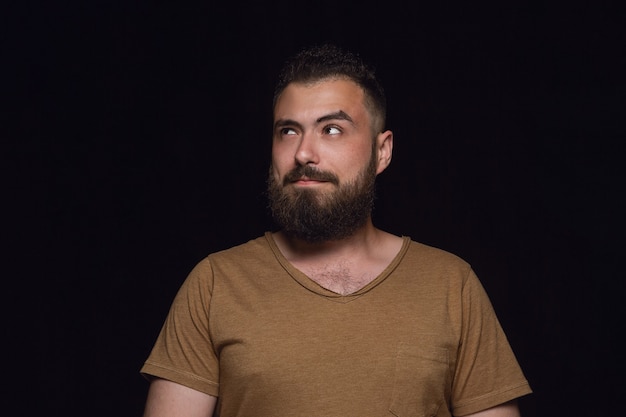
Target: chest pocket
x,y
422,382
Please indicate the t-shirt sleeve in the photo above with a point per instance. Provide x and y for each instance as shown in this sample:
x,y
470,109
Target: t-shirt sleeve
x,y
487,372
183,352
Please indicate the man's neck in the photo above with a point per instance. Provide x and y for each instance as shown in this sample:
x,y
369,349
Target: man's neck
x,y
342,266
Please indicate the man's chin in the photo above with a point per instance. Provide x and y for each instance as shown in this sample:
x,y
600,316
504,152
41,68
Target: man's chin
x,y
316,194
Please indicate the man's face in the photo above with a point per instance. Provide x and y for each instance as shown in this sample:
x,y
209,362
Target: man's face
x,y
324,160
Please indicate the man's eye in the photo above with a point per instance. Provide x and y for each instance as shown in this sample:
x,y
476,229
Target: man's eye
x,y
287,131
332,130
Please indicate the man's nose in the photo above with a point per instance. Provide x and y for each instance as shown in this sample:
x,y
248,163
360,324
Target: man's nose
x,y
307,152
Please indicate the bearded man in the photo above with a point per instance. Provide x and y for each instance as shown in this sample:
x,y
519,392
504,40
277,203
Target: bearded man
x,y
329,315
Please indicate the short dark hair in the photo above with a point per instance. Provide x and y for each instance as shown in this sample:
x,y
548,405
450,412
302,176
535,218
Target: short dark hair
x,y
330,61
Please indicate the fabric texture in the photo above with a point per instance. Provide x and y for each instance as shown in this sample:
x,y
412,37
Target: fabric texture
x,y
421,339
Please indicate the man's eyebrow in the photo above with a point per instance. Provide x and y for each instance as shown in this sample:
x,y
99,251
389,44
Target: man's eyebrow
x,y
338,115
286,122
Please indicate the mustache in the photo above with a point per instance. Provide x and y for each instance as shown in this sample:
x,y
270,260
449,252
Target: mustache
x,y
311,173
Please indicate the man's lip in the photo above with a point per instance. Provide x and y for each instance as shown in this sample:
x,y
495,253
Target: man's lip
x,y
307,180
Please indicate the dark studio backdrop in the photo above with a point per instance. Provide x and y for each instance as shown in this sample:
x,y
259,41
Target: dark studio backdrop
x,y
137,139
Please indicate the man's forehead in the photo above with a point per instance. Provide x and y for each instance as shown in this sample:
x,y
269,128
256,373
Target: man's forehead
x,y
328,96
335,82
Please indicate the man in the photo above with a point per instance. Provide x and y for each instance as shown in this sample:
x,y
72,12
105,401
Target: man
x,y
331,316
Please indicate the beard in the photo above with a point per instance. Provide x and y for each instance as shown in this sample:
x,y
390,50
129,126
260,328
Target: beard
x,y
317,216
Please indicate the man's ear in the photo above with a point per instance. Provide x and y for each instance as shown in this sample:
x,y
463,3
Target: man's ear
x,y
384,149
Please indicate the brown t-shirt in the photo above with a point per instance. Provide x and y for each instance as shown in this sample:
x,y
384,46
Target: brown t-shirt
x,y
420,340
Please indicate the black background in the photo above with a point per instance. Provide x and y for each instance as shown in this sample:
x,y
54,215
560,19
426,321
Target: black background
x,y
137,137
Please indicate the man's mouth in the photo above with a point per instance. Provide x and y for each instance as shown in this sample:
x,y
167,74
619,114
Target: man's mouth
x,y
308,181
309,176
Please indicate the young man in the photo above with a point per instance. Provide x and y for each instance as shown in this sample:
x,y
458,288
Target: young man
x,y
331,316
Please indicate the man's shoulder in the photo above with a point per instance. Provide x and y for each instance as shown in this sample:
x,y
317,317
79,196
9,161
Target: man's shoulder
x,y
434,257
253,255
256,245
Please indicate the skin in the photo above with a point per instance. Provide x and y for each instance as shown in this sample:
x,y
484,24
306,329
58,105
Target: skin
x,y
325,124
169,399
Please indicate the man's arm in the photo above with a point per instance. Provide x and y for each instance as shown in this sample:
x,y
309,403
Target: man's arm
x,y
169,399
508,409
